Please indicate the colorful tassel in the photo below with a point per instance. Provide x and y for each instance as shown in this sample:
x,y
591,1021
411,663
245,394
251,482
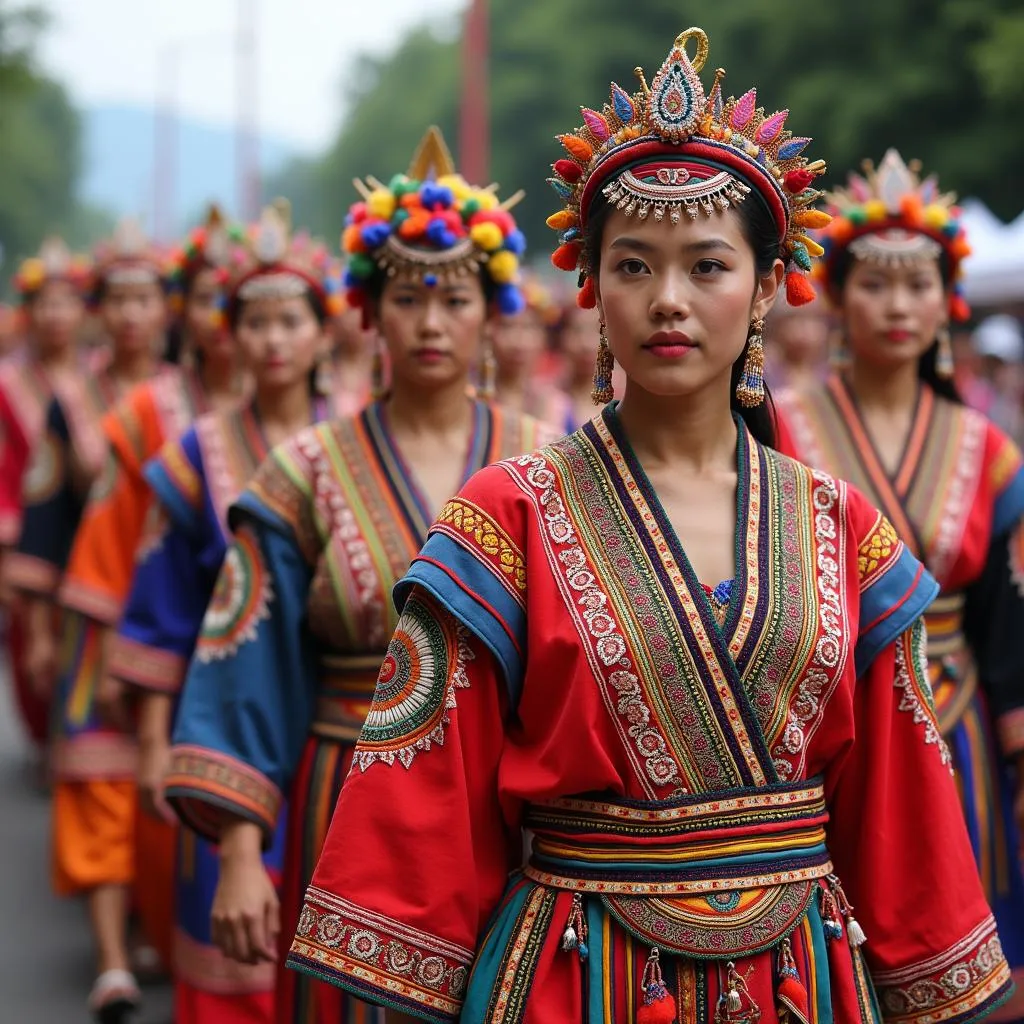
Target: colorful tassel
x,y
735,1004
854,932
562,220
793,1002
831,919
750,389
567,257
744,110
575,935
597,125
658,1006
577,148
622,104
586,298
569,170
813,219
799,291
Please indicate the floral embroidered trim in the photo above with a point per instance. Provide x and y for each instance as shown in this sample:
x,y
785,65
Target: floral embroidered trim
x,y
877,548
424,666
94,755
201,776
831,647
368,952
490,539
147,667
911,680
591,611
952,986
241,600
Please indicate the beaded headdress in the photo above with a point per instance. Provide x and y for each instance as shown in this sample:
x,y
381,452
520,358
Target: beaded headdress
x,y
890,217
670,150
128,257
430,225
55,262
208,245
275,264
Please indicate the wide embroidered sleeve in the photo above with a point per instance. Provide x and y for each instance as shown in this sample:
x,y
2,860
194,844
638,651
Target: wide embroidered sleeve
x,y
177,564
102,559
398,924
901,851
994,611
249,693
52,510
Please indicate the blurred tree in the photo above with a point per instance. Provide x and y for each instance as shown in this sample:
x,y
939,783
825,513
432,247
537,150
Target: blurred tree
x,y
939,81
41,147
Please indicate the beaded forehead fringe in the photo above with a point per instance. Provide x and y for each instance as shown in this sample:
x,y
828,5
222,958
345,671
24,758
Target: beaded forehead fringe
x,y
674,193
274,285
130,273
895,248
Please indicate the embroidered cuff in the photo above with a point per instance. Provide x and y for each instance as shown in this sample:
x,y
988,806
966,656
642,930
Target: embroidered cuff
x,y
94,604
1011,732
146,667
94,755
31,575
378,959
961,985
204,784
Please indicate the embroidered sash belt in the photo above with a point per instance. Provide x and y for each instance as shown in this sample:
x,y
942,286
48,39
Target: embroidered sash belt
x,y
712,875
347,684
951,668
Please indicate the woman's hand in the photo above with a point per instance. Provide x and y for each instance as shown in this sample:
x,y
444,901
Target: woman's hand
x,y
246,916
40,647
154,763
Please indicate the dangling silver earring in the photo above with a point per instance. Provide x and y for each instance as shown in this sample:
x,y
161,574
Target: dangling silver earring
x,y
944,365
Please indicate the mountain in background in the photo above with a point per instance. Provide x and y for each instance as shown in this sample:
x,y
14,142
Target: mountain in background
x,y
118,176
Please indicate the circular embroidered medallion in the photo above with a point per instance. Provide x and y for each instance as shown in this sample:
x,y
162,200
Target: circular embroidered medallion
x,y
43,479
415,688
241,600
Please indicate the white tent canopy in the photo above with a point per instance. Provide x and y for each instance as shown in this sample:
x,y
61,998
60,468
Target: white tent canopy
x,y
994,272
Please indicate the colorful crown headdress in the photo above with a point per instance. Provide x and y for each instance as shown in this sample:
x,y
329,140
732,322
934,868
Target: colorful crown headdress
x,y
670,150
431,225
891,217
128,257
274,264
208,245
54,262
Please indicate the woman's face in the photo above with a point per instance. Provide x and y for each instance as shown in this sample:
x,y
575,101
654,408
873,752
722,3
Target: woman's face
x,y
432,334
203,320
677,299
351,339
56,314
519,341
280,341
134,315
892,314
579,336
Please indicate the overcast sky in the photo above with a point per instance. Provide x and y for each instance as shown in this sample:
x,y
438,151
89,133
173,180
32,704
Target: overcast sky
x,y
112,50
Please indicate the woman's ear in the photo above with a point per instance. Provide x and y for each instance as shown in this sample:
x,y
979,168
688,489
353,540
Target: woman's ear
x,y
768,288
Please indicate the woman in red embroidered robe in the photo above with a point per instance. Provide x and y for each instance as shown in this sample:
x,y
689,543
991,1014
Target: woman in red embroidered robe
x,y
299,623
277,307
952,484
51,287
94,756
715,776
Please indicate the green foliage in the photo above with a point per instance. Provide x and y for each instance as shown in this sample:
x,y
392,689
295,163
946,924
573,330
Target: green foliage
x,y
940,81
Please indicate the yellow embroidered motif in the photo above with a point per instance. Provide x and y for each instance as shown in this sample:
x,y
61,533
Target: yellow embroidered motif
x,y
878,547
489,538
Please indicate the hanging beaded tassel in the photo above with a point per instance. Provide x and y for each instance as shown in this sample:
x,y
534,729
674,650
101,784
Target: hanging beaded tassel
x,y
575,935
488,370
854,932
794,1005
735,1004
658,1006
831,919
603,391
750,389
944,366
377,386
323,378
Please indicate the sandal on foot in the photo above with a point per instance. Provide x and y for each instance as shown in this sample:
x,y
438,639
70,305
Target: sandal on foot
x,y
115,996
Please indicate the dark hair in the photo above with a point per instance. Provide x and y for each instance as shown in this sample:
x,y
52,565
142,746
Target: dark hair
x,y
761,234
839,271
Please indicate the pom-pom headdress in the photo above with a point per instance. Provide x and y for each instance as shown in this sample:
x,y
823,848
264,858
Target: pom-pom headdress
x,y
54,263
890,217
272,264
207,246
431,226
670,151
128,257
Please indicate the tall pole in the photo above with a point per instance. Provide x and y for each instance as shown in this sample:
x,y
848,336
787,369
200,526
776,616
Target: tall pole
x,y
247,142
474,127
165,148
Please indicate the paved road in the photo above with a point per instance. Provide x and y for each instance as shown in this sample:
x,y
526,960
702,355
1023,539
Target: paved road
x,y
46,963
